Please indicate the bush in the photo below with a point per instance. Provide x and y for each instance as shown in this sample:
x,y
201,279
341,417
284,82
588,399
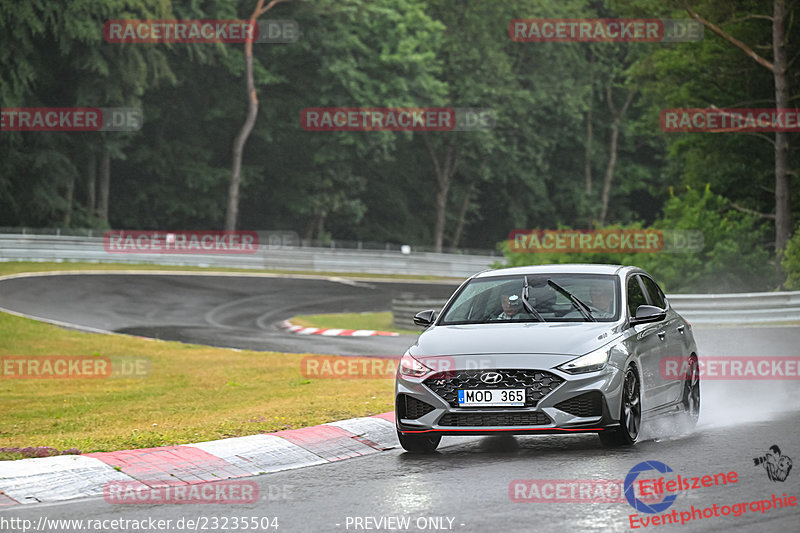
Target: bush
x,y
791,261
734,258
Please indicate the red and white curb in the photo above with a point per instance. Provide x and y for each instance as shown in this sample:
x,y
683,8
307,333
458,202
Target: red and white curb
x,y
65,477
301,330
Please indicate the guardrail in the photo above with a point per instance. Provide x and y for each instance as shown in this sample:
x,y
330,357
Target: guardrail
x,y
285,237
278,257
744,308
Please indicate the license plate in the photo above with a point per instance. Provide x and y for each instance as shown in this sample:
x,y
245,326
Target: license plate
x,y
491,398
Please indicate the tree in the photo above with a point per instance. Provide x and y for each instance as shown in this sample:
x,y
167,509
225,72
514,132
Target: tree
x,y
779,69
56,57
252,112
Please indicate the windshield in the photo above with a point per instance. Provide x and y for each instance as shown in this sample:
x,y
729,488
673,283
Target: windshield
x,y
500,299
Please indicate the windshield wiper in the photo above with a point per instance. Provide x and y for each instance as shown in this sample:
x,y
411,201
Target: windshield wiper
x,y
582,307
526,304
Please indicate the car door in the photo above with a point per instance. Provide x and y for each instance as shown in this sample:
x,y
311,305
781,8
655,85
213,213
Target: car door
x,y
649,347
674,341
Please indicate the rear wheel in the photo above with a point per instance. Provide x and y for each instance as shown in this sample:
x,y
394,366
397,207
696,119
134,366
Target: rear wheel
x,y
630,417
691,391
419,443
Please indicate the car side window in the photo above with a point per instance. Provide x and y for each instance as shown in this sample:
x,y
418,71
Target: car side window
x,y
635,295
656,296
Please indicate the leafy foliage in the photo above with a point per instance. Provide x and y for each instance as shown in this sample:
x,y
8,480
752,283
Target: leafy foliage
x,y
791,262
529,171
734,257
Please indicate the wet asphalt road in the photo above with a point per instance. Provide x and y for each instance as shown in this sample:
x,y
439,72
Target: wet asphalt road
x,y
468,480
227,311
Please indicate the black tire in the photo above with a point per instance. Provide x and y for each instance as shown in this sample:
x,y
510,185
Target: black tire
x,y
691,392
419,443
630,416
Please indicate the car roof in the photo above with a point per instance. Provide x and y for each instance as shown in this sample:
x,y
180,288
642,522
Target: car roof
x,y
584,268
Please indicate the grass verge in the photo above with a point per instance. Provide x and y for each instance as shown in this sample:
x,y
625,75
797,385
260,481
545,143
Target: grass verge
x,y
193,393
377,321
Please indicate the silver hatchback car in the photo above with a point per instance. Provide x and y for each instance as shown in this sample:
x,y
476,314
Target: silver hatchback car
x,y
547,349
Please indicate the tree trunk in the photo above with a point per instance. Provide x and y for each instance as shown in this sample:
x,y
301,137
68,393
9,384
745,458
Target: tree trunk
x,y
462,213
321,223
587,164
232,213
445,170
69,198
441,217
105,186
308,234
612,150
91,182
609,175
783,209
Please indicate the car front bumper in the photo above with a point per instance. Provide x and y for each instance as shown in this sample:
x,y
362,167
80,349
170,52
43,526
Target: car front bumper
x,y
556,401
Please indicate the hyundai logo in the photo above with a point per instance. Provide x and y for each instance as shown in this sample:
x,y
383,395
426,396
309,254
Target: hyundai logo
x,y
492,377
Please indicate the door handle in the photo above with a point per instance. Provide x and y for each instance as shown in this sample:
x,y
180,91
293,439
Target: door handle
x,y
662,335
680,329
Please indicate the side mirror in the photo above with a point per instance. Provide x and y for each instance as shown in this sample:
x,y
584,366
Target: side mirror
x,y
425,318
646,314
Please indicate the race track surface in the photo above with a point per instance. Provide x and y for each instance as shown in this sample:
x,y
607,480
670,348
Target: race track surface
x,y
226,311
465,485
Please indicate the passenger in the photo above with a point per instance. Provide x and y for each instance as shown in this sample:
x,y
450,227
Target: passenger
x,y
602,295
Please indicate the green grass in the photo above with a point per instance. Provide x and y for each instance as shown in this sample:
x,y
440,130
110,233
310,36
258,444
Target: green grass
x,y
377,321
193,393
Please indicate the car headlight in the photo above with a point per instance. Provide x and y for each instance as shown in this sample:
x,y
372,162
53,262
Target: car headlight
x,y
590,362
411,367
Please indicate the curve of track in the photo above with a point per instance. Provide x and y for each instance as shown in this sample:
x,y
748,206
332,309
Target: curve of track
x,y
216,310
468,479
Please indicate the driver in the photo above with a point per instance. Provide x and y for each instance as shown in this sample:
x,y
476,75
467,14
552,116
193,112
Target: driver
x,y
512,305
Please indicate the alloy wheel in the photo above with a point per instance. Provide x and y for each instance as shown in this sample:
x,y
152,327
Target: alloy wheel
x,y
631,404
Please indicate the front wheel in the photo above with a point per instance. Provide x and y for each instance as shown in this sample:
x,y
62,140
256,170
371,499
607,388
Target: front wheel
x,y
419,443
630,417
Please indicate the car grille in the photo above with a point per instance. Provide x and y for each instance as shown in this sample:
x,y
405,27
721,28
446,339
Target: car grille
x,y
495,419
410,408
588,404
537,383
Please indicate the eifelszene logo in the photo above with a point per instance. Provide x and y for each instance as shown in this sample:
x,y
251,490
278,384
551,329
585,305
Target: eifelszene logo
x,y
637,503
